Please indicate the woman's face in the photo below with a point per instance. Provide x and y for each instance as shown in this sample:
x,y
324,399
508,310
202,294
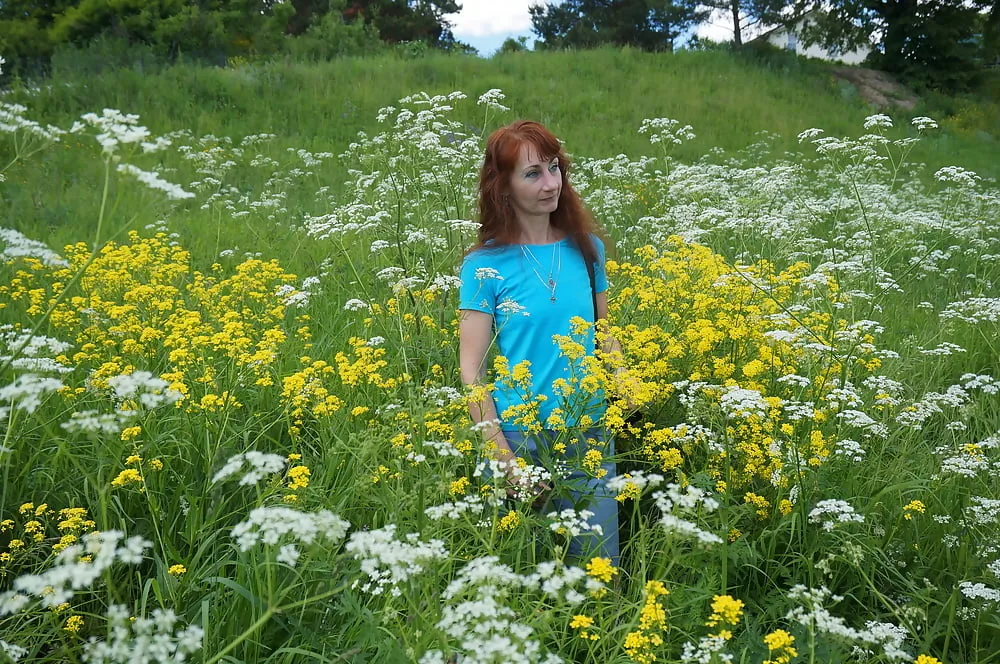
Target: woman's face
x,y
535,184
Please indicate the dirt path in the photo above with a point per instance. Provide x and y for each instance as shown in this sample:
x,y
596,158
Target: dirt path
x,y
877,88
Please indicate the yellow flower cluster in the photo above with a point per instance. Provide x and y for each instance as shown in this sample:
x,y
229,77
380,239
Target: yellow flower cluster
x,y
42,525
725,611
134,474
585,624
780,650
641,645
139,304
913,507
509,522
682,313
630,491
73,624
601,569
305,394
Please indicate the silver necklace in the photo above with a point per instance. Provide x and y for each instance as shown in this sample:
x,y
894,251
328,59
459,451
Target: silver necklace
x,y
553,280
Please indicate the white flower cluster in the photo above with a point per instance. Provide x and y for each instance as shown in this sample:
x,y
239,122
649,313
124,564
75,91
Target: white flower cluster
x,y
356,305
260,464
830,512
973,310
491,99
28,352
115,128
850,449
560,581
878,121
153,180
27,391
571,523
741,403
76,567
888,637
21,246
708,650
958,175
983,511
980,591
818,619
864,422
14,652
94,421
942,349
637,478
158,639
270,525
151,391
13,120
442,396
443,448
484,273
511,307
469,504
388,561
673,500
484,627
666,131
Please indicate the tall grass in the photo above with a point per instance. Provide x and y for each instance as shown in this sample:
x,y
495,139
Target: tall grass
x,y
810,328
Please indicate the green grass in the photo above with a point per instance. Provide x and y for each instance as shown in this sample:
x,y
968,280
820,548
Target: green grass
x,y
938,241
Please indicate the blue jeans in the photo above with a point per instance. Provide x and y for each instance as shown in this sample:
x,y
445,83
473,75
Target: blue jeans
x,y
581,490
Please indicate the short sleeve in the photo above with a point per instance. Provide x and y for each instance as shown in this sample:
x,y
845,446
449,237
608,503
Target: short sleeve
x,y
478,291
600,271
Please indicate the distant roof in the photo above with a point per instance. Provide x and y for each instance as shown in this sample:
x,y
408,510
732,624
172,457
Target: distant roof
x,y
785,24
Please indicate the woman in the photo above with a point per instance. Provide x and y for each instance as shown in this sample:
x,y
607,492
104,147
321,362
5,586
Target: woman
x,y
522,284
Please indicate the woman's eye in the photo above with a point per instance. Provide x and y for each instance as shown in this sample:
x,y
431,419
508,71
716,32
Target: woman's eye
x,y
553,168
531,174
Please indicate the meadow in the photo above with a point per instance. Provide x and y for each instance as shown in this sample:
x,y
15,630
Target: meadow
x,y
234,429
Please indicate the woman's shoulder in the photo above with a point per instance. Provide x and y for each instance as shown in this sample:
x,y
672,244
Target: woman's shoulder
x,y
486,253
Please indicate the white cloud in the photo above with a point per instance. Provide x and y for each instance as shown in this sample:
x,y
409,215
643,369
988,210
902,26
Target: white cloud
x,y
482,18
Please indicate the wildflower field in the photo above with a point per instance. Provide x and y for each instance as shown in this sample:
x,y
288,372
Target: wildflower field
x,y
218,454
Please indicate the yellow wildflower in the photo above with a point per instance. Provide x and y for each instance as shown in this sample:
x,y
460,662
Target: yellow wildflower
x,y
779,646
73,624
725,611
459,487
177,570
298,477
509,522
127,476
584,623
913,506
601,569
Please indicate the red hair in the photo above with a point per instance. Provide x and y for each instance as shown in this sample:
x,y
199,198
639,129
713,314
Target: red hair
x,y
499,223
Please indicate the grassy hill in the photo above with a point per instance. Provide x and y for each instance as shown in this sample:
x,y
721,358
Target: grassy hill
x,y
595,100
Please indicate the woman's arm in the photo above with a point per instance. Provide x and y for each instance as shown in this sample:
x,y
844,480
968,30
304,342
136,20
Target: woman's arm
x,y
609,344
475,333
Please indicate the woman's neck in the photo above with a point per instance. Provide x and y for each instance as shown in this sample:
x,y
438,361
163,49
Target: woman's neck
x,y
538,231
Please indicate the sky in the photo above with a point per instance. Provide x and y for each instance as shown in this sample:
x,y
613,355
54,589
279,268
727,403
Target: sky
x,y
485,24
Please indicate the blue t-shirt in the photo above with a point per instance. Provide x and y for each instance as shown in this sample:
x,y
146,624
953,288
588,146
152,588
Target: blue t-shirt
x,y
509,282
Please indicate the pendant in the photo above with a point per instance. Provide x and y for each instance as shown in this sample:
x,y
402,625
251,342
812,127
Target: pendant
x,y
553,299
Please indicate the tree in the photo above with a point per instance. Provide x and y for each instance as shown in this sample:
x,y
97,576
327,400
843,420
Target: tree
x,y
931,43
407,20
651,25
746,14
